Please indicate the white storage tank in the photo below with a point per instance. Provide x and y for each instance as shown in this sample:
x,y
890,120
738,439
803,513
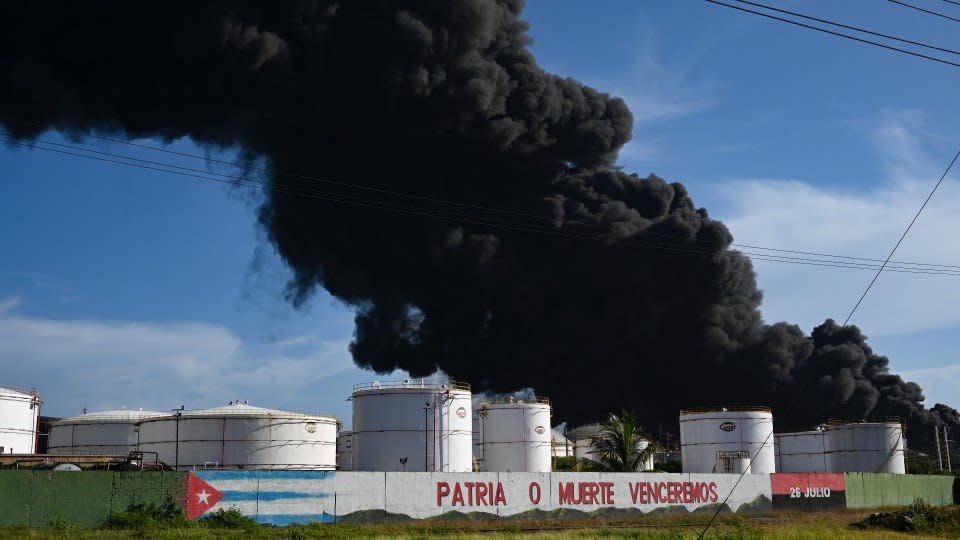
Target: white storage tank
x,y
412,426
345,450
19,420
803,451
869,446
476,438
515,435
106,433
240,436
583,448
714,440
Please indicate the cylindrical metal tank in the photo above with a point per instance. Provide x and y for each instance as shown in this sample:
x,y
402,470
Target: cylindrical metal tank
x,y
872,446
803,451
19,420
412,426
107,433
240,436
515,435
345,450
709,439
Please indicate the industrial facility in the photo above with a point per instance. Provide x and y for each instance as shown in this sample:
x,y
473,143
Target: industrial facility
x,y
19,421
412,426
240,436
417,426
99,434
727,440
513,435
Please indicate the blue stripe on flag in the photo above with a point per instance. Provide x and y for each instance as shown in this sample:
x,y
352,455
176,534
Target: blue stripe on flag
x,y
289,519
253,495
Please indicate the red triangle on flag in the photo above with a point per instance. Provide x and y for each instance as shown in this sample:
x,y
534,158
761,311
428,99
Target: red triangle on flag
x,y
201,496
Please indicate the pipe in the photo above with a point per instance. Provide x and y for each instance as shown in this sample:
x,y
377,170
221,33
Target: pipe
x,y
936,436
946,446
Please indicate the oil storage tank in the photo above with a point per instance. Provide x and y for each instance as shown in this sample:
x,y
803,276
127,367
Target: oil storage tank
x,y
19,420
803,451
727,440
106,433
412,426
241,436
869,446
515,435
345,450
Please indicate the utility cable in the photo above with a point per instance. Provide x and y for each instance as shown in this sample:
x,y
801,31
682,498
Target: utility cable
x,y
79,151
802,388
837,34
848,27
902,236
830,259
928,11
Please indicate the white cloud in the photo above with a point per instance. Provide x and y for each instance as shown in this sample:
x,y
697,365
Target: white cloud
x,y
794,214
9,304
939,384
109,364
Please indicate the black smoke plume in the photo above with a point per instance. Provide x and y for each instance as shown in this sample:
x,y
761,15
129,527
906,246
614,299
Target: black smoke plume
x,y
550,268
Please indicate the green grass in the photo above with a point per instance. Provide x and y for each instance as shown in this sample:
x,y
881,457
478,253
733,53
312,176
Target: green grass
x,y
145,521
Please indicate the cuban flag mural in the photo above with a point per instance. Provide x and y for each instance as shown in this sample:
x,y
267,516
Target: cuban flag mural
x,y
287,497
270,497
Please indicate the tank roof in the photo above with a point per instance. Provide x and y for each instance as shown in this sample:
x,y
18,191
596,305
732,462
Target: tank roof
x,y
741,408
238,409
13,392
119,415
510,400
410,384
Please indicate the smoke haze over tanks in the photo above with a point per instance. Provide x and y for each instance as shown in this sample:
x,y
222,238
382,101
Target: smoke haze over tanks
x,y
598,288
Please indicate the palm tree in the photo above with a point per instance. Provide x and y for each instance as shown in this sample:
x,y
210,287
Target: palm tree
x,y
622,445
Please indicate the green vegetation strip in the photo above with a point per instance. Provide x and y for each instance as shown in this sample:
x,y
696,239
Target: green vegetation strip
x,y
148,520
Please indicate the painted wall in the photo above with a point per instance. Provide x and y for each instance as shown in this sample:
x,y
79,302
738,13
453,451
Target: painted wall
x,y
808,491
867,490
38,498
282,497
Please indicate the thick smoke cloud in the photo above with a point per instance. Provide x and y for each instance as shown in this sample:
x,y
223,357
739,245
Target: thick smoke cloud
x,y
556,271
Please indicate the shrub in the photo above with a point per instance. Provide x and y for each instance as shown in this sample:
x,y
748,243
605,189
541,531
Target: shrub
x,y
229,519
141,516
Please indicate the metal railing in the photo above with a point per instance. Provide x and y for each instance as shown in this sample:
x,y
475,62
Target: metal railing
x,y
412,383
874,420
741,408
542,400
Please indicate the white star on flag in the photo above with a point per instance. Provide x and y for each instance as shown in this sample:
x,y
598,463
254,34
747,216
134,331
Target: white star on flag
x,y
203,497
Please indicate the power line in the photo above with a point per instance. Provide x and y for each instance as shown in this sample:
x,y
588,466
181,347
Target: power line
x,y
837,34
855,263
902,236
849,27
928,11
951,2
831,259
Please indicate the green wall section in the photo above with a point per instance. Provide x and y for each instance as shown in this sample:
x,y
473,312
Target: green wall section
x,y
38,498
866,490
87,498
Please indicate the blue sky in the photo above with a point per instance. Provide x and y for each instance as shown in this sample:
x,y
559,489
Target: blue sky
x,y
124,287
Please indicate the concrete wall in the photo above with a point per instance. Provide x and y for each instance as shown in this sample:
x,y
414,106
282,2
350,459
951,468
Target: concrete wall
x,y
283,497
37,498
867,490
